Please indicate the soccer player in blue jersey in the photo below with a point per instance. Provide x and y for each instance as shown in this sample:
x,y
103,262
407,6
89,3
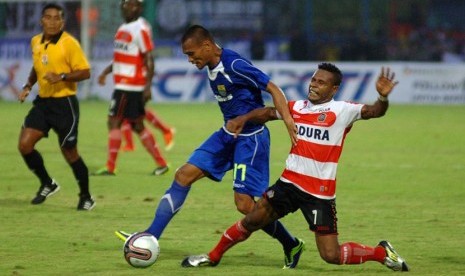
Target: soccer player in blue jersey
x,y
237,85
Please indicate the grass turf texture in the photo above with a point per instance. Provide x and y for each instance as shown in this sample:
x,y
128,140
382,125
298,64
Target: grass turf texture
x,y
400,178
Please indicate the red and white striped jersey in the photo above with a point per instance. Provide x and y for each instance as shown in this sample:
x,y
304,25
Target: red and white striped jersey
x,y
131,41
321,129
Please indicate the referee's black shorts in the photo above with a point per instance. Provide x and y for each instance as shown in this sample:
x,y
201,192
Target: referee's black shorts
x,y
59,114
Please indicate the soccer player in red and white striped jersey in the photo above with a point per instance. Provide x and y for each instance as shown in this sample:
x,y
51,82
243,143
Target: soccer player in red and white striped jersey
x,y
308,182
133,70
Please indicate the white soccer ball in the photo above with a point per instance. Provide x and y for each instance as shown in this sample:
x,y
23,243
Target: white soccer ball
x,y
141,250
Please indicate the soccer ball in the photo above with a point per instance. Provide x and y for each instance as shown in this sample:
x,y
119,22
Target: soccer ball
x,y
141,250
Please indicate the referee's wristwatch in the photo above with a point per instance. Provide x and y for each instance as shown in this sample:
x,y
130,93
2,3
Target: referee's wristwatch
x,y
63,76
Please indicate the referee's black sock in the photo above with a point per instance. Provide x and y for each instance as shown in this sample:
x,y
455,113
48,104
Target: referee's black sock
x,y
35,163
81,173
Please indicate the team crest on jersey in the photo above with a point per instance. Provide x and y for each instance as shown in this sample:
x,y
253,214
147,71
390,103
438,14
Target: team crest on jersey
x,y
270,194
44,59
325,119
222,90
321,117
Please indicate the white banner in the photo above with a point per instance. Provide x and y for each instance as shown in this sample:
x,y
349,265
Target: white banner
x,y
179,81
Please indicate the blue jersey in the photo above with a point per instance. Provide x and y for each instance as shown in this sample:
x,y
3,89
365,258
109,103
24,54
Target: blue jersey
x,y
238,86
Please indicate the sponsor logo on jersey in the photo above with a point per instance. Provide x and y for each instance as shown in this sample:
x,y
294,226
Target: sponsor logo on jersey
x,y
223,99
323,189
120,46
324,119
314,133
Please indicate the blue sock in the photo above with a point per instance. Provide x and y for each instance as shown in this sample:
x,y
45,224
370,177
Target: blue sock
x,y
168,206
277,230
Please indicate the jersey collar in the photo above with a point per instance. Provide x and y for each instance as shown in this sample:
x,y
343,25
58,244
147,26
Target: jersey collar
x,y
54,39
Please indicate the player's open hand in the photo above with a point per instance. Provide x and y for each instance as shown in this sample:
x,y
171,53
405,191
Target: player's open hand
x,y
386,82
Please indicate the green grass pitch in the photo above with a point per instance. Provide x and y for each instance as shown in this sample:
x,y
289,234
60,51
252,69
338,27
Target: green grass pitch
x,y
400,178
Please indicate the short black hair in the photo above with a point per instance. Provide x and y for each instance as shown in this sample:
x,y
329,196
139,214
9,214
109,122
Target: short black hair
x,y
332,69
53,6
197,32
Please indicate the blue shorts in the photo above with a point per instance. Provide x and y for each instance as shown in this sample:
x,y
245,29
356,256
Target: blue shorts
x,y
248,156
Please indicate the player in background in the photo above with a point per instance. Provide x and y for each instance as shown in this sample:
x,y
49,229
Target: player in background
x,y
133,70
237,85
308,182
9,82
156,122
58,64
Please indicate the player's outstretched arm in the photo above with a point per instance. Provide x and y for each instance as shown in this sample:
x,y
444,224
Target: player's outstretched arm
x,y
384,85
280,102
